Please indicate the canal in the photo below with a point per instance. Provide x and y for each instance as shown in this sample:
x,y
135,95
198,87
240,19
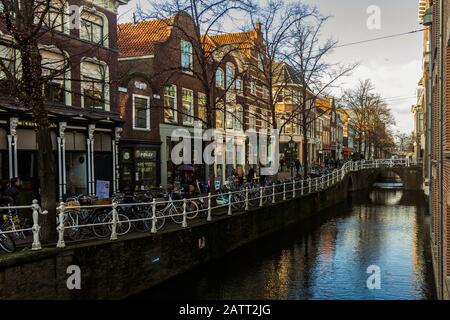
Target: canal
x,y
325,258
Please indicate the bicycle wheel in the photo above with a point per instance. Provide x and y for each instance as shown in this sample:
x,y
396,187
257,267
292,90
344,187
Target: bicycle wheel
x,y
160,220
238,200
71,226
7,243
191,210
8,226
176,212
100,231
123,224
140,225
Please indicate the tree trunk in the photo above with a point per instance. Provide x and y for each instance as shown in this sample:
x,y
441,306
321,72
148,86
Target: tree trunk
x,y
305,150
32,98
46,167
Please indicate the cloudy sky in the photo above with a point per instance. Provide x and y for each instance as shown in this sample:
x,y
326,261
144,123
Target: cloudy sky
x,y
392,64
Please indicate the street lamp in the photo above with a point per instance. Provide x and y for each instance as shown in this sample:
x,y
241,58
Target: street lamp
x,y
291,147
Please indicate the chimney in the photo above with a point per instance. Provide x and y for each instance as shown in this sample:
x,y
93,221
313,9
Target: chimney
x,y
258,27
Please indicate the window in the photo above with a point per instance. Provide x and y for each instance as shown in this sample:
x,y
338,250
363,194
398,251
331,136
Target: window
x,y
94,93
53,67
202,106
230,117
239,85
141,112
219,78
186,56
94,86
219,115
170,104
92,27
279,96
253,87
260,61
252,118
239,118
55,16
230,75
188,107
7,55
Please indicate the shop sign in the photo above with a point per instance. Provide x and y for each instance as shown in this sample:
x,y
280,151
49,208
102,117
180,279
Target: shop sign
x,y
30,123
145,154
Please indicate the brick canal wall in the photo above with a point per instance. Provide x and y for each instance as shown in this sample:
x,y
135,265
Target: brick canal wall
x,y
132,264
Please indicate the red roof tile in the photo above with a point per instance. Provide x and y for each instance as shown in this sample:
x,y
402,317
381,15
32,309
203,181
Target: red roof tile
x,y
135,40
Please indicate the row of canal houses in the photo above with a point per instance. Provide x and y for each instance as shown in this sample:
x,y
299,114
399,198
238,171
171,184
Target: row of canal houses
x,y
113,126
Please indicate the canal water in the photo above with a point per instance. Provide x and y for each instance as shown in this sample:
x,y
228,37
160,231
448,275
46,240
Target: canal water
x,y
325,258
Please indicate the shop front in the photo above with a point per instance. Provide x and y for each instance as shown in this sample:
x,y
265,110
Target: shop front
x,y
84,155
139,167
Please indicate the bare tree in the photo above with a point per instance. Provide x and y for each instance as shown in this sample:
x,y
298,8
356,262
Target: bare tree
x,y
277,20
371,115
308,56
208,18
29,26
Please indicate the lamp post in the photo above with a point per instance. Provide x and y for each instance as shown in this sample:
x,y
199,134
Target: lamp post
x,y
291,147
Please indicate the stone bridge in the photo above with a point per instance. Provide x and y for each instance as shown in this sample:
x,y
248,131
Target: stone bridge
x,y
411,177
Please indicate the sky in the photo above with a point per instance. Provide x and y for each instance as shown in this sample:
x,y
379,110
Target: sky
x,y
393,65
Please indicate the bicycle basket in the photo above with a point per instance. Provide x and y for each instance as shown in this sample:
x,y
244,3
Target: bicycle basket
x,y
74,204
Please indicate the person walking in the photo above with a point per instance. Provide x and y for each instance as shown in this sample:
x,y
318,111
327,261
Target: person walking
x,y
297,166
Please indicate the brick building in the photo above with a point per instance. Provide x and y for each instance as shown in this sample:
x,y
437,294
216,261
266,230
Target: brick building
x,y
157,63
81,101
434,15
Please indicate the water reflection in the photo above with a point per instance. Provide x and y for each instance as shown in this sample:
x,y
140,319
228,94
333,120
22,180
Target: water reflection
x,y
324,259
386,197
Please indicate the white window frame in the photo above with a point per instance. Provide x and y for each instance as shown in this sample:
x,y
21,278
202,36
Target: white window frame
x,y
190,119
147,113
175,109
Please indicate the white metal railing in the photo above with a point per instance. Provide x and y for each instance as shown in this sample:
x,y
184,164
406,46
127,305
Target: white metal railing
x,y
116,219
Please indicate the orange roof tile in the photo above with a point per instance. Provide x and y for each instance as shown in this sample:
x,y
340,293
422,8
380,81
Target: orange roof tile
x,y
324,104
135,40
245,40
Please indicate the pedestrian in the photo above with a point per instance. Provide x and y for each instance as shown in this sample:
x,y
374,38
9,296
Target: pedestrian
x,y
250,175
13,190
297,166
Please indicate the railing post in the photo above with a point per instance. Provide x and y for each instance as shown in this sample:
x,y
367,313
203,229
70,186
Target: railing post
x,y
115,218
316,183
322,182
230,199
284,191
60,228
293,190
302,187
154,216
260,196
309,185
184,224
246,199
209,208
36,211
273,193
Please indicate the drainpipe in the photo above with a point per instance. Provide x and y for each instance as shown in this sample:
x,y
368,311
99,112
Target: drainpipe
x,y
440,146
